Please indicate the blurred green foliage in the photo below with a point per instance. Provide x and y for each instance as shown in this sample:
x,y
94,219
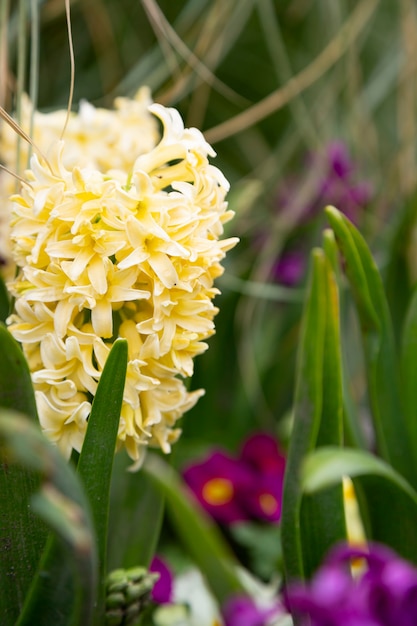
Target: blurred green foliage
x,y
306,72
214,60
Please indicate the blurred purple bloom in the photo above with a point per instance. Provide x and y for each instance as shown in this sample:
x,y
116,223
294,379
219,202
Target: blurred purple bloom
x,y
385,595
338,184
335,183
243,611
243,488
261,454
163,588
289,268
339,159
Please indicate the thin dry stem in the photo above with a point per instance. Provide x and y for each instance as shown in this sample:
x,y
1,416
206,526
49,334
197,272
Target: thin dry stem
x,y
407,99
19,131
72,62
298,83
164,30
4,64
19,178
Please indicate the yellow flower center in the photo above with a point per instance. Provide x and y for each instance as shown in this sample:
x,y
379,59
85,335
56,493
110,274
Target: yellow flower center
x,y
268,503
218,491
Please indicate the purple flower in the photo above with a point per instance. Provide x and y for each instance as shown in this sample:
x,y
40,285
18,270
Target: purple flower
x,y
243,611
217,483
261,454
162,589
243,488
338,184
289,268
331,179
385,595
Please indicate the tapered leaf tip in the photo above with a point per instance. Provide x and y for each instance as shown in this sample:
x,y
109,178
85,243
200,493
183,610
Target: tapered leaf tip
x,y
332,212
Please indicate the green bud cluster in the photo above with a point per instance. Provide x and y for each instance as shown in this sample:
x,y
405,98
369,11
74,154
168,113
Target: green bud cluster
x,y
127,593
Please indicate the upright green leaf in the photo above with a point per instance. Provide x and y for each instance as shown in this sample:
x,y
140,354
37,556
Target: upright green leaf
x,y
96,460
352,429
322,515
4,301
16,390
197,532
23,533
319,378
409,371
308,404
63,590
398,277
378,341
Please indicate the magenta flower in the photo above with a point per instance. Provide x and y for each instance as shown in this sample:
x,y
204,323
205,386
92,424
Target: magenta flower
x,y
290,267
217,483
245,488
163,588
336,183
243,611
261,452
262,455
339,187
385,595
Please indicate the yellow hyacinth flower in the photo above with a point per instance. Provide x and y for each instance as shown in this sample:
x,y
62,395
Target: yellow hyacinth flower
x,y
102,139
119,253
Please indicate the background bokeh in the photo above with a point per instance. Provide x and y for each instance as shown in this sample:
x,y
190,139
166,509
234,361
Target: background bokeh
x,y
307,75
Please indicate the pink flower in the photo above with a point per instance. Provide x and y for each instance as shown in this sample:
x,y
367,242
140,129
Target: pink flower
x,y
217,483
385,595
248,487
162,589
243,611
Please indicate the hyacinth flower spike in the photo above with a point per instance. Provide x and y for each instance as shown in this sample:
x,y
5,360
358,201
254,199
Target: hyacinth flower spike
x,y
107,255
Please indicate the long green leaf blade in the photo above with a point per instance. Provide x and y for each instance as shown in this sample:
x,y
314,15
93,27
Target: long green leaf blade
x,y
307,413
379,348
16,390
96,460
20,550
4,301
64,586
322,515
409,371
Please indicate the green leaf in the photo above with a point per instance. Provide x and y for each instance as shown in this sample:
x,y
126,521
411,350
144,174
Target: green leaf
x,y
4,301
197,532
64,587
135,520
409,371
22,539
23,534
16,390
307,413
352,429
327,466
361,269
323,515
96,459
398,277
378,341
389,502
311,524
